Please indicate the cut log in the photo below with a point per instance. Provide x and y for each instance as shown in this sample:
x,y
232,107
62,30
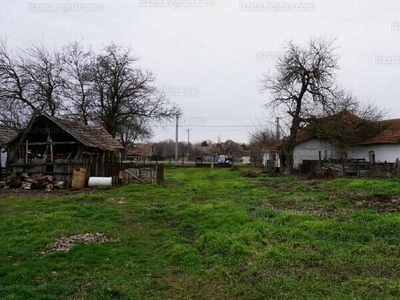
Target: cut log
x,y
26,185
49,187
24,177
59,185
13,181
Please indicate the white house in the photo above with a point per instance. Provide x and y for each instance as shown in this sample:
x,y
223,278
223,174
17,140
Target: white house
x,y
375,142
245,157
382,146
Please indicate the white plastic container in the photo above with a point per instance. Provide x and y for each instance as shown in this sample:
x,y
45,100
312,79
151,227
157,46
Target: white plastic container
x,y
100,181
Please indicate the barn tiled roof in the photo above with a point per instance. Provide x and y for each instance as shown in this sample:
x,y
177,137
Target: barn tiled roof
x,y
6,135
90,136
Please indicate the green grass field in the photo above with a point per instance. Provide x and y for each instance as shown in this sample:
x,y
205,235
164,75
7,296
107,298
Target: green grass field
x,y
207,234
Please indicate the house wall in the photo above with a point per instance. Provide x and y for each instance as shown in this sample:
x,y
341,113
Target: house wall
x,y
385,152
311,150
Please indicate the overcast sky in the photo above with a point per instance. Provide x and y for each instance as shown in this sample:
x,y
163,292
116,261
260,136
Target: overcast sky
x,y
209,55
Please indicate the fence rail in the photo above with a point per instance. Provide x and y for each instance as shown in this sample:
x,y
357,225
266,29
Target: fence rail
x,y
354,168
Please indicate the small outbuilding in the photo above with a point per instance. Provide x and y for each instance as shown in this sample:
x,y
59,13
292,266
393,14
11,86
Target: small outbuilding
x,y
54,146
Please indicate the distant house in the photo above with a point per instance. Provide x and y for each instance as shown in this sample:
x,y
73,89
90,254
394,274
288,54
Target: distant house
x,y
51,145
272,156
6,135
139,152
246,156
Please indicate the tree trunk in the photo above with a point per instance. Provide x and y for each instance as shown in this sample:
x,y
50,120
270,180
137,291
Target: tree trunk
x,y
289,160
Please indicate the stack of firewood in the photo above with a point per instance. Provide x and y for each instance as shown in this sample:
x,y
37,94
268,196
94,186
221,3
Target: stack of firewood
x,y
34,182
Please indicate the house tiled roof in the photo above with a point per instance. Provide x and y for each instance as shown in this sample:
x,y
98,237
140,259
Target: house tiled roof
x,y
6,135
90,136
246,153
139,150
302,136
388,134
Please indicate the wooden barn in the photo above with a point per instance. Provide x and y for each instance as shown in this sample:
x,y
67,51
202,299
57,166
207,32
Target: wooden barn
x,y
54,146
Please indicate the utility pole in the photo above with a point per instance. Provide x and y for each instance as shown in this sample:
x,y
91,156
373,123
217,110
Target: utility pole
x,y
176,138
278,134
188,131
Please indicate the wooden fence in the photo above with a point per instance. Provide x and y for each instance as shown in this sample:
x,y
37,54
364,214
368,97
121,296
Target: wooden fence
x,y
359,168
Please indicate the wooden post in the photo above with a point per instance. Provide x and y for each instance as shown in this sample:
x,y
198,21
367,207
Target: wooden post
x,y
26,151
319,159
1,166
370,168
51,151
97,164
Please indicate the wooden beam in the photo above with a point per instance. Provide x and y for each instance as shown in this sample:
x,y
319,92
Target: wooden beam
x,y
49,145
79,153
51,151
53,143
46,150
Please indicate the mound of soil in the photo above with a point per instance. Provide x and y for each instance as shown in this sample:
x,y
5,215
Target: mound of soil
x,y
65,244
381,203
234,168
249,174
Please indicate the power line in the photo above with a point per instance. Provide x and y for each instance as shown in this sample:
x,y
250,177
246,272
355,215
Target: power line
x,y
200,126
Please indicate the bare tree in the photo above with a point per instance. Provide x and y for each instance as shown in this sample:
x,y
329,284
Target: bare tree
x,y
15,103
261,139
128,135
304,87
42,71
104,88
29,81
125,96
348,127
166,149
78,81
